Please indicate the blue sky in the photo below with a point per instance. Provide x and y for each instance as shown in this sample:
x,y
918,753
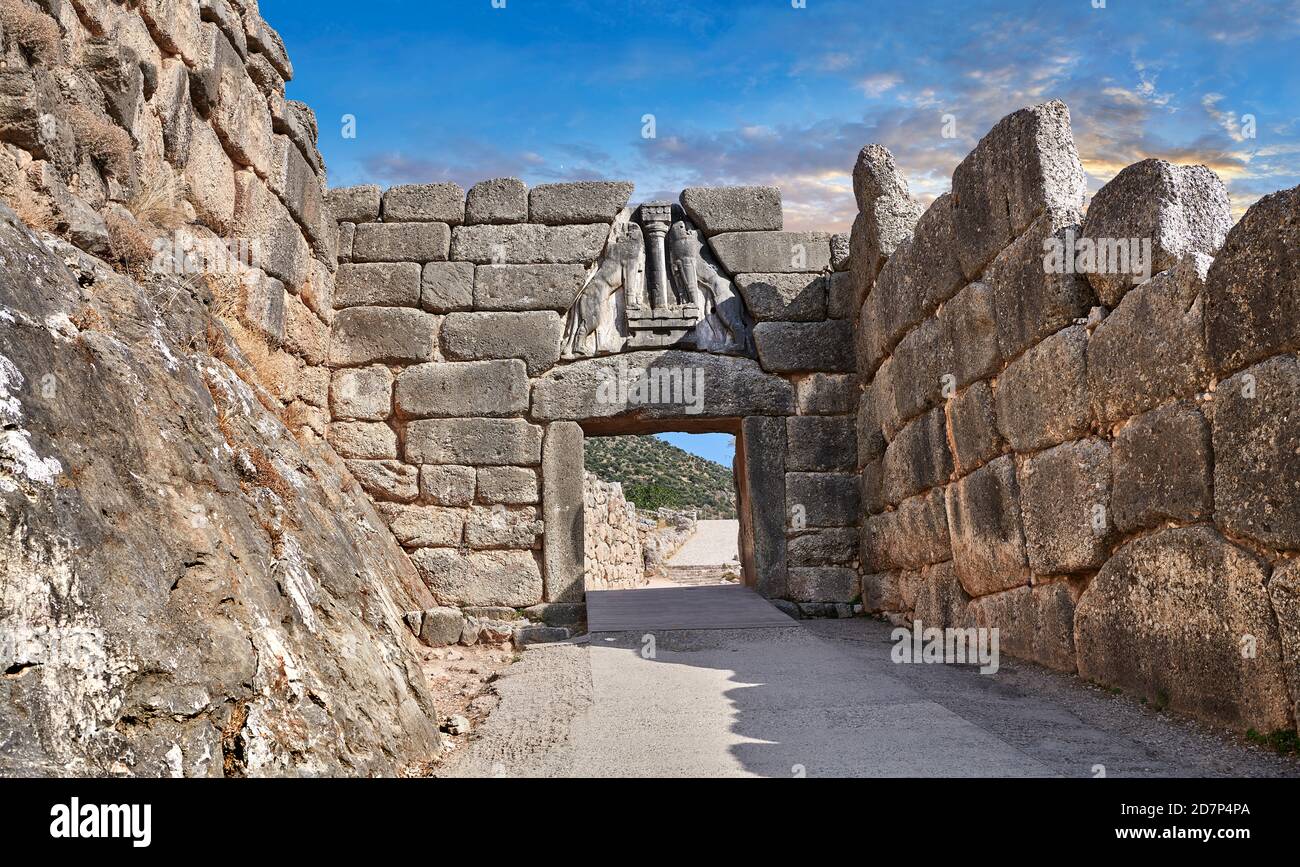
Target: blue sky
x,y
761,92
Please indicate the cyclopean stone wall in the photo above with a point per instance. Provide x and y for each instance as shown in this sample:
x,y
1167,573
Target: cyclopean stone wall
x,y
454,408
611,537
1103,466
156,135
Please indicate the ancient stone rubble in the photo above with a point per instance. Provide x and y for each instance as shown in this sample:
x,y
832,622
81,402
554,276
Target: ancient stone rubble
x,y
314,426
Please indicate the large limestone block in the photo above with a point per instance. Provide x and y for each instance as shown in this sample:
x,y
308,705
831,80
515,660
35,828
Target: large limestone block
x,y
509,578
1254,285
820,444
940,600
447,286
915,376
175,26
880,593
918,458
300,185
887,212
512,486
826,394
968,336
447,485
578,202
838,547
921,275
378,284
500,200
424,203
262,219
474,441
1024,167
527,287
824,499
1257,454
1035,623
1181,618
1065,502
760,463
984,522
772,252
359,204
400,242
397,335
669,384
386,480
424,526
1151,349
209,178
461,389
528,243
305,335
533,336
733,209
973,428
1042,396
1162,468
1284,593
1177,210
784,297
822,584
910,537
237,109
362,393
562,512
500,527
871,436
1033,300
793,347
367,440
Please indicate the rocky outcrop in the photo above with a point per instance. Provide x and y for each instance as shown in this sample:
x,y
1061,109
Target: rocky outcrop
x,y
186,587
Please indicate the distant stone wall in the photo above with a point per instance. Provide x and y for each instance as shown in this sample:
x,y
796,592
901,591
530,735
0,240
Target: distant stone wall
x,y
612,543
1105,466
157,135
448,377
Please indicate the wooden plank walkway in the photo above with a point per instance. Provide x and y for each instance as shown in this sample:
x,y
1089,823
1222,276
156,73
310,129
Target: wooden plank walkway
x,y
717,607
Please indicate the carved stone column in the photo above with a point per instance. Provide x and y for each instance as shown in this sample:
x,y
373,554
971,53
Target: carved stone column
x,y
656,217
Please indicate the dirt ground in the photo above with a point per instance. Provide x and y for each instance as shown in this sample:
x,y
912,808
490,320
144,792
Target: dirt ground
x,y
461,679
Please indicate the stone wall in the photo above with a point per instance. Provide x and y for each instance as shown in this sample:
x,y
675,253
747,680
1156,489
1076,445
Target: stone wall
x,y
454,408
612,540
1102,465
157,135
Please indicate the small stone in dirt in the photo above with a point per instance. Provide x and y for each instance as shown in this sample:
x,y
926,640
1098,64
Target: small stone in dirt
x,y
457,724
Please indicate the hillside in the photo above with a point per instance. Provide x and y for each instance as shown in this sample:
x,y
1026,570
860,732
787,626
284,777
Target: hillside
x,y
655,473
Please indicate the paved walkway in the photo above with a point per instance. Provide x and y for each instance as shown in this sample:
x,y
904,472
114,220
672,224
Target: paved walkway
x,y
822,698
714,543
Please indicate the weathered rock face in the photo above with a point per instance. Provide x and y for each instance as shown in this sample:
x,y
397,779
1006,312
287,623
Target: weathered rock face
x,y
188,589
1089,406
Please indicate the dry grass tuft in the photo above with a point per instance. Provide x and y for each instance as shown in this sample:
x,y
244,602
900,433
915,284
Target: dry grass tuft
x,y
157,202
132,246
35,32
107,143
